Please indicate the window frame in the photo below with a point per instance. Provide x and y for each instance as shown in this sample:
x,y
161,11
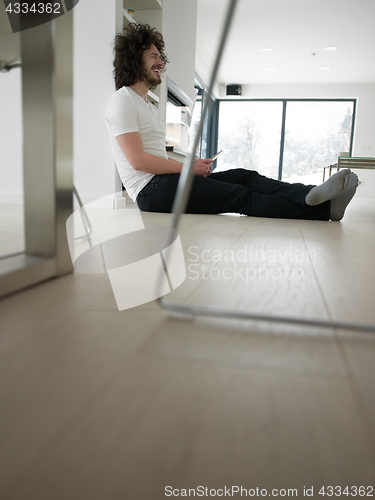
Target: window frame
x,y
214,129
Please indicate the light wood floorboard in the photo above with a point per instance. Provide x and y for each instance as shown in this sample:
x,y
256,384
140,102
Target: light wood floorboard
x,y
104,405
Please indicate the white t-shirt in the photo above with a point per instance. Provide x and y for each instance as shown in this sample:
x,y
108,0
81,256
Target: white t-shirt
x,y
127,112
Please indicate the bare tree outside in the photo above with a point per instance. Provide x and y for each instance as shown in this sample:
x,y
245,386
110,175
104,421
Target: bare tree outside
x,y
315,133
249,134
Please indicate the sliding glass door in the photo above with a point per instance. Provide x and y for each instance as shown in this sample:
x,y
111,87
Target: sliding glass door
x,y
288,139
250,135
315,133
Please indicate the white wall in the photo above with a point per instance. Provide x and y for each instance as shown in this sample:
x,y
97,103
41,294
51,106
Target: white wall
x,y
94,169
179,32
177,23
364,138
94,31
11,143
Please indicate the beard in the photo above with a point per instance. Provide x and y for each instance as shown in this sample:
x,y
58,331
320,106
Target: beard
x,y
151,78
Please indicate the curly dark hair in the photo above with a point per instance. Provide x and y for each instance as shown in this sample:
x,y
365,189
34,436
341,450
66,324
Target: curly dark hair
x,y
128,50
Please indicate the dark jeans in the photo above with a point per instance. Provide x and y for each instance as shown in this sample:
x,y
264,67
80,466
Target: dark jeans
x,y
238,191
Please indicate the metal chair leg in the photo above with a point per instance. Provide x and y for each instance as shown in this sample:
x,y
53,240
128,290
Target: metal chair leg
x,y
85,218
179,206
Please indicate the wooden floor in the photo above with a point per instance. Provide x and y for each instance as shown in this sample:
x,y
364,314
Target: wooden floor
x,y
99,404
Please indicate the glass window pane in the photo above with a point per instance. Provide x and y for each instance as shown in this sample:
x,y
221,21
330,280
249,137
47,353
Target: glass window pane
x,y
173,126
195,120
181,125
202,150
249,134
11,165
315,133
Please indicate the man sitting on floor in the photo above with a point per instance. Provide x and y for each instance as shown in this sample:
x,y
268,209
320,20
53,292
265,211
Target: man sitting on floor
x,y
137,136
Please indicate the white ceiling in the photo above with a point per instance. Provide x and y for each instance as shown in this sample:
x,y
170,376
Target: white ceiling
x,y
295,29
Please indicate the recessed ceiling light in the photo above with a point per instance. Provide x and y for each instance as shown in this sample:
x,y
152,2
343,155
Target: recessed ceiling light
x,y
270,69
267,49
331,49
324,68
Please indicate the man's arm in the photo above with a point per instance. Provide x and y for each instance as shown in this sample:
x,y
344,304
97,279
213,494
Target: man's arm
x,y
131,146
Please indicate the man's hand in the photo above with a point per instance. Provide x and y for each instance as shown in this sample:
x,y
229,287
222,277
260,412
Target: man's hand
x,y
202,167
131,146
